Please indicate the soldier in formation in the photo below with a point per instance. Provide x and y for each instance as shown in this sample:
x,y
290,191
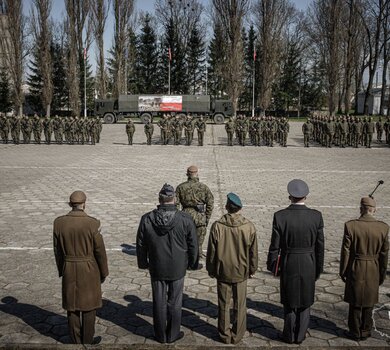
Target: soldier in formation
x,y
130,129
149,128
4,128
74,130
189,130
200,126
344,131
261,130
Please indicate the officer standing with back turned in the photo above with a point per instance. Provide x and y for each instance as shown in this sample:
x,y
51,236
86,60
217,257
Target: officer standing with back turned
x,y
197,200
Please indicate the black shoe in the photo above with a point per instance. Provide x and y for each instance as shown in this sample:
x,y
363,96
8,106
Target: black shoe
x,y
199,267
97,340
180,336
352,336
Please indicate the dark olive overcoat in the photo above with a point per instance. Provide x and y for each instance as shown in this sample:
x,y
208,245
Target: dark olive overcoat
x,y
363,260
81,260
297,232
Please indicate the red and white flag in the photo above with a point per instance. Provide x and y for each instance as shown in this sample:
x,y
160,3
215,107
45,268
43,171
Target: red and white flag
x,y
85,53
169,54
254,54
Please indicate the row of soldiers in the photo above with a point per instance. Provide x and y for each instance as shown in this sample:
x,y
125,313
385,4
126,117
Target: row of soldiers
x,y
70,130
261,130
345,131
171,127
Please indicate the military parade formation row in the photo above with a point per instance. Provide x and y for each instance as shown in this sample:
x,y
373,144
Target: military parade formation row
x,y
261,130
69,130
345,131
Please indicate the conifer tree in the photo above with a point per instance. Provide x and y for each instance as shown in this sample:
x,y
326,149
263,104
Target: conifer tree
x,y
147,57
60,86
5,92
196,61
35,83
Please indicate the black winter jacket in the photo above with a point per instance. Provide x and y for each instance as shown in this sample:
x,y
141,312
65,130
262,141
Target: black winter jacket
x,y
167,244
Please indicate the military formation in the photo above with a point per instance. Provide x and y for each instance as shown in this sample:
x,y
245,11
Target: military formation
x,y
345,131
171,130
61,130
260,131
257,130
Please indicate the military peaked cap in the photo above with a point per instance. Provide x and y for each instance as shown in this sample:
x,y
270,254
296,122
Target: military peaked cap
x,y
368,202
297,188
77,197
192,169
167,191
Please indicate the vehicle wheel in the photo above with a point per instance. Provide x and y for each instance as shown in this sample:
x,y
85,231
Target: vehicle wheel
x,y
219,118
145,117
109,118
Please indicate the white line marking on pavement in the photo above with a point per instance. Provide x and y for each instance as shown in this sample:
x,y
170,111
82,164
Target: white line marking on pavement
x,y
121,203
205,170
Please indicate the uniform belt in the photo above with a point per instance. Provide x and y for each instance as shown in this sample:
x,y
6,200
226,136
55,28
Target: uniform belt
x,y
73,258
300,250
366,257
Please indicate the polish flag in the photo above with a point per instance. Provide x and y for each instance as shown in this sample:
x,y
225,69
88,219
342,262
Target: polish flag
x,y
254,54
169,54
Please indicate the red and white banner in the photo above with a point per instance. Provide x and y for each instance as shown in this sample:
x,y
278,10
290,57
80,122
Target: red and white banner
x,y
171,104
160,103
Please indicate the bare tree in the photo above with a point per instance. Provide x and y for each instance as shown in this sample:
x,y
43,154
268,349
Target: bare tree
x,y
14,47
77,11
273,18
41,28
386,56
99,13
231,14
373,15
184,14
326,33
123,15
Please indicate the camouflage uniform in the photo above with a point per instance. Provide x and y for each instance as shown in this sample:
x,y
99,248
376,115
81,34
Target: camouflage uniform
x,y
200,125
4,128
177,130
189,130
229,127
370,128
47,129
15,129
379,130
149,128
37,128
26,127
343,131
307,129
130,129
197,200
163,125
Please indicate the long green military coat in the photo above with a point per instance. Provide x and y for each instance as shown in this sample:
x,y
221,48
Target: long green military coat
x,y
363,260
81,260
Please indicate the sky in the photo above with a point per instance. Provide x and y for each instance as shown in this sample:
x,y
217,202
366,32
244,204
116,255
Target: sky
x,y
58,13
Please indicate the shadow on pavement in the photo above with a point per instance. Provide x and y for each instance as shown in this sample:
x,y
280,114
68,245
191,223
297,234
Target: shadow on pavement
x,y
317,323
45,322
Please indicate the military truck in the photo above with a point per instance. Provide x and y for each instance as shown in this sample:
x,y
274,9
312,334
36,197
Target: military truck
x,y
146,107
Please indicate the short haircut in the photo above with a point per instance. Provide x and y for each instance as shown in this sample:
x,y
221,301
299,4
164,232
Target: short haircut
x,y
165,199
232,208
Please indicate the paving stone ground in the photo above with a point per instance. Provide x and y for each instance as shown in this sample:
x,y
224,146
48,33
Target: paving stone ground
x,y
122,183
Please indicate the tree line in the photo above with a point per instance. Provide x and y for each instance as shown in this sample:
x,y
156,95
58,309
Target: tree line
x,y
285,58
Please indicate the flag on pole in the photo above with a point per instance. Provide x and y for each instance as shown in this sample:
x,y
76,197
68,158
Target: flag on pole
x,y
85,53
169,53
254,53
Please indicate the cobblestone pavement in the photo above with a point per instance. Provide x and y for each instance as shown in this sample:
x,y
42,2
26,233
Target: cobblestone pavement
x,y
122,183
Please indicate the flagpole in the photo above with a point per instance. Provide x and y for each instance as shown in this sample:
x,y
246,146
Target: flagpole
x,y
169,70
85,82
253,83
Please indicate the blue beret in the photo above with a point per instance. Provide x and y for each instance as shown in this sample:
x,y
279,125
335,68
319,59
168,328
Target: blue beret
x,y
234,199
297,188
167,191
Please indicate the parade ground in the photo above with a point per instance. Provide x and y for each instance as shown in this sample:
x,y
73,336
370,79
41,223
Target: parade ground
x,y
122,183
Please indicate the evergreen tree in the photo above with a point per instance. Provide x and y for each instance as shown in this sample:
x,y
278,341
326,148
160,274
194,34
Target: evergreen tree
x,y
196,61
313,86
5,92
179,77
60,87
287,91
147,57
35,82
216,58
162,68
133,64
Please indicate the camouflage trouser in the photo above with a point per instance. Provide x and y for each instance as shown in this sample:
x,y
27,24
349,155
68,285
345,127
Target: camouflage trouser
x,y
37,136
230,138
200,138
130,137
201,232
306,138
47,136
